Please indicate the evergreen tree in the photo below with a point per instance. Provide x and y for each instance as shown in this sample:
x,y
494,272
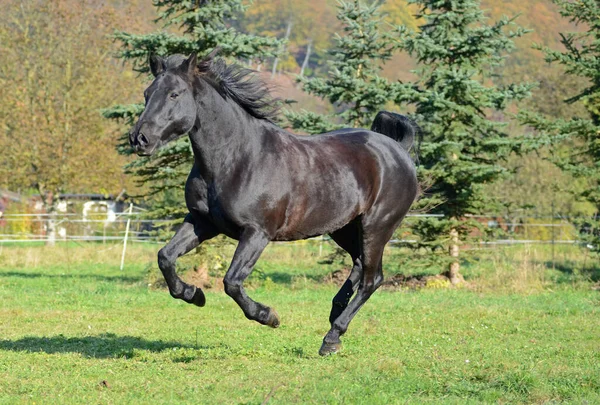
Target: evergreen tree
x,y
353,85
581,59
203,25
454,99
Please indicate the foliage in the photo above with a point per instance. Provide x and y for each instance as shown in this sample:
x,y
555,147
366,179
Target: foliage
x,y
580,58
198,27
353,84
310,23
53,71
458,107
399,12
538,187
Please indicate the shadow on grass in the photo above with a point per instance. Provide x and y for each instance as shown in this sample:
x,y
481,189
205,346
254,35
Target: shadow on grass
x,y
98,277
102,346
571,269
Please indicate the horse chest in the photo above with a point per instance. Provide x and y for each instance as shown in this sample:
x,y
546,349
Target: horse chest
x,y
219,213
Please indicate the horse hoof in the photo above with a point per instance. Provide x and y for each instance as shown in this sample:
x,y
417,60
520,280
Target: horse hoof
x,y
329,348
273,320
199,299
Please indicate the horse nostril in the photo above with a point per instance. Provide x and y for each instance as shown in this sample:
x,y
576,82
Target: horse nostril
x,y
142,139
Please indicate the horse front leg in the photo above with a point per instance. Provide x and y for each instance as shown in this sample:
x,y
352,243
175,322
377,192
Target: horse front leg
x,y
190,234
252,243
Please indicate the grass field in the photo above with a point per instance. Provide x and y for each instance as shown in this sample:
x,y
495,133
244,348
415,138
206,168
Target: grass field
x,y
75,329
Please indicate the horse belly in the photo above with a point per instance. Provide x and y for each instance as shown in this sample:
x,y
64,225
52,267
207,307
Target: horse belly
x,y
308,217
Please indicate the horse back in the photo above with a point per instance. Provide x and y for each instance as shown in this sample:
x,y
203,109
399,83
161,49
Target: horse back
x,y
335,177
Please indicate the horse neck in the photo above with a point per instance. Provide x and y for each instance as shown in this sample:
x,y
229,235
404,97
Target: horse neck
x,y
223,132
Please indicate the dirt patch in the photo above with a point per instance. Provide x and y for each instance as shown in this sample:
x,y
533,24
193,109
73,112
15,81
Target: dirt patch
x,y
396,282
337,277
403,282
400,281
197,276
200,278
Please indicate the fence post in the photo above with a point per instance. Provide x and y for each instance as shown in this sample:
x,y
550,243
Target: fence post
x,y
321,246
126,235
553,238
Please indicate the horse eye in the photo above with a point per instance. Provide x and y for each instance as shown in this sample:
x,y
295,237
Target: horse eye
x,y
174,95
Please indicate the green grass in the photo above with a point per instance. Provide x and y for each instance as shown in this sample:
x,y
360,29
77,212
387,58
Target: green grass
x,y
522,332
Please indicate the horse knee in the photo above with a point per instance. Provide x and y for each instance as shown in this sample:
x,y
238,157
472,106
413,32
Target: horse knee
x,y
164,259
166,263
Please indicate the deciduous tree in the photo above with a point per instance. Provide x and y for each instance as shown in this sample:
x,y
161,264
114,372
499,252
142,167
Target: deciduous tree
x,y
54,68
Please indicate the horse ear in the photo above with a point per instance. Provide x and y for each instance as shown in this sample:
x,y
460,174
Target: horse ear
x,y
190,64
157,65
212,54
207,61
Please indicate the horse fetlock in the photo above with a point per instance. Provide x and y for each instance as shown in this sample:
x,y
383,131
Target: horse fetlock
x,y
176,292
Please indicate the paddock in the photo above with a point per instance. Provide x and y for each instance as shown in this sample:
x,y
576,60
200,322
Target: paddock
x,y
74,328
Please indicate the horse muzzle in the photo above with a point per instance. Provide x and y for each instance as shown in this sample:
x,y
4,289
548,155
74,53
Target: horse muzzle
x,y
141,143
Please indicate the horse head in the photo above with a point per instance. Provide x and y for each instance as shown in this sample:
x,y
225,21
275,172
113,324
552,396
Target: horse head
x,y
170,109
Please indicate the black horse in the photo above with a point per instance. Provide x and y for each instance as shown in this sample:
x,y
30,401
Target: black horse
x,y
256,182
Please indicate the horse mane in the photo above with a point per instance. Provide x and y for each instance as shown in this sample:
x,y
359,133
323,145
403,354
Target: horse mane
x,y
237,83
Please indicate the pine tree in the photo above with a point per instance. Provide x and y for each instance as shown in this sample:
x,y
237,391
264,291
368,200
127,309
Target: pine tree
x,y
454,99
204,25
576,142
353,85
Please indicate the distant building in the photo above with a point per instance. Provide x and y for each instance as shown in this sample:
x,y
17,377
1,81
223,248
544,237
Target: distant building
x,y
6,197
85,214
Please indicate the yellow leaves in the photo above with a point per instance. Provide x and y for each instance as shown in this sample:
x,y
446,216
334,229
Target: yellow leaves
x,y
398,12
59,78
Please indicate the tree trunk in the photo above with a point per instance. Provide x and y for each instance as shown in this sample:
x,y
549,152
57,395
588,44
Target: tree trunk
x,y
50,208
287,36
454,269
306,57
51,229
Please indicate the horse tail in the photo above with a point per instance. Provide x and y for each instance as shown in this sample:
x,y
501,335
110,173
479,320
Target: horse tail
x,y
398,127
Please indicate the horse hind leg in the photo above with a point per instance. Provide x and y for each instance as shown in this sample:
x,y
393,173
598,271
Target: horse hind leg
x,y
348,238
372,278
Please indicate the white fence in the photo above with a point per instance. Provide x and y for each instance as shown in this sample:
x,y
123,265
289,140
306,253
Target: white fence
x,y
28,228
23,228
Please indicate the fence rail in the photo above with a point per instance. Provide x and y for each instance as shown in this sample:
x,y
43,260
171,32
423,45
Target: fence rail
x,y
96,227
